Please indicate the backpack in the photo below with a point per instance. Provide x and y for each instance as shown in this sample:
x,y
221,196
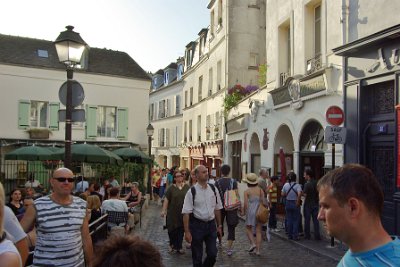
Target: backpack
x,y
193,190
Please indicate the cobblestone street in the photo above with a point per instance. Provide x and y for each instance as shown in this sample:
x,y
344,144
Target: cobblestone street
x,y
278,252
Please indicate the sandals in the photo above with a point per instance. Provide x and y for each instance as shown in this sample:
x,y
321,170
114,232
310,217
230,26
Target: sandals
x,y
252,248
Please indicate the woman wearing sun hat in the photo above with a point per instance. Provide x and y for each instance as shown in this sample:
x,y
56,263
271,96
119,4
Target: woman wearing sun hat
x,y
252,197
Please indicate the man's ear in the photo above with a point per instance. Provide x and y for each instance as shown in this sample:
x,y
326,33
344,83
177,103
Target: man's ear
x,y
354,206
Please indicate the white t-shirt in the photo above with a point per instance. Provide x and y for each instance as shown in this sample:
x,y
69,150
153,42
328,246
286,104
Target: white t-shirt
x,y
14,231
291,195
8,246
114,205
35,183
163,180
204,203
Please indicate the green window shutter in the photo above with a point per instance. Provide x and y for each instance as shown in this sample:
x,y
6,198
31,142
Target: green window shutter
x,y
122,123
24,108
54,107
91,121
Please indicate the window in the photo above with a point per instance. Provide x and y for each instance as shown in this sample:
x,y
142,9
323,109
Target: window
x,y
253,60
43,53
285,51
166,78
191,96
38,114
106,121
185,132
217,126
161,137
200,92
219,75
317,30
210,81
219,12
186,99
199,128
152,112
177,104
212,24
190,131
208,127
161,109
167,108
180,71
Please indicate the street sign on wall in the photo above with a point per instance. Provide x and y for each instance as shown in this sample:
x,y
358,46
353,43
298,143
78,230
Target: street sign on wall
x,y
335,135
334,115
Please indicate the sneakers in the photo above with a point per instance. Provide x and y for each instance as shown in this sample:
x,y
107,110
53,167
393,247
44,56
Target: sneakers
x,y
276,230
229,252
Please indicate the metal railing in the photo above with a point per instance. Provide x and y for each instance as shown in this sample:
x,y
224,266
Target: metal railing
x,y
314,64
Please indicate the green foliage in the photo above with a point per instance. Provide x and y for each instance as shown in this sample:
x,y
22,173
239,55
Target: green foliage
x,y
231,100
262,74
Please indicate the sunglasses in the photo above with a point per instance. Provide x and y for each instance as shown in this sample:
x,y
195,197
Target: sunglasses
x,y
63,179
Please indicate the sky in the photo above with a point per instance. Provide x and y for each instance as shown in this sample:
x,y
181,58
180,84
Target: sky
x,y
153,32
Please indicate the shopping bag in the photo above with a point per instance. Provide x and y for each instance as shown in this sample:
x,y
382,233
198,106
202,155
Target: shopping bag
x,y
231,198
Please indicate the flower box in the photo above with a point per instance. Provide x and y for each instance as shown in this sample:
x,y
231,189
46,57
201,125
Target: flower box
x,y
38,133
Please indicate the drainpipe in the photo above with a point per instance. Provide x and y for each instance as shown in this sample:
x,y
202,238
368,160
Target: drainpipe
x,y
345,28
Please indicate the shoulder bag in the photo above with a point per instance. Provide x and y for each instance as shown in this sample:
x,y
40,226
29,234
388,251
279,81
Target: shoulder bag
x,y
262,212
231,198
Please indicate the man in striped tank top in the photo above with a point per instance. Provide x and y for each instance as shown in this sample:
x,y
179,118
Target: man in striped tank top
x,y
351,202
61,224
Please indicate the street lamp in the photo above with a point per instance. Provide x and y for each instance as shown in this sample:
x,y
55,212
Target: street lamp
x,y
70,47
150,132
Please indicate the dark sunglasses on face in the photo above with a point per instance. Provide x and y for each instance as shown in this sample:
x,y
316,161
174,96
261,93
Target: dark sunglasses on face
x,y
63,179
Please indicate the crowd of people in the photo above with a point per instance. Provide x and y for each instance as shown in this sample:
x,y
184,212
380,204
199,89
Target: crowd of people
x,y
348,201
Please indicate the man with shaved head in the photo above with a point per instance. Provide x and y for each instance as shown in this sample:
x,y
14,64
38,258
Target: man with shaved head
x,y
61,224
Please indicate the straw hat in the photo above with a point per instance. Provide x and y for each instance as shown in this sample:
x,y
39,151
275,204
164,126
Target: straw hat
x,y
251,178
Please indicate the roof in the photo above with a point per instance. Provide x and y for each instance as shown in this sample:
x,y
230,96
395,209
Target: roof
x,y
24,51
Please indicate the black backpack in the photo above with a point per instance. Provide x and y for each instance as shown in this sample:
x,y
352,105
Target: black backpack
x,y
193,190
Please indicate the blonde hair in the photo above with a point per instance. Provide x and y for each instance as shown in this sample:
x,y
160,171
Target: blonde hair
x,y
2,202
93,202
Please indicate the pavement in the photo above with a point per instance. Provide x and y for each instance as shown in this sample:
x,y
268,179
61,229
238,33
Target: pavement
x,y
278,252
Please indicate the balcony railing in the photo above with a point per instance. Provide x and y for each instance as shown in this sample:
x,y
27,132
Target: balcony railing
x,y
314,64
283,77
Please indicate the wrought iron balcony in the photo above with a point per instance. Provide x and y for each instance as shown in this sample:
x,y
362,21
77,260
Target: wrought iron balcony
x,y
314,64
283,77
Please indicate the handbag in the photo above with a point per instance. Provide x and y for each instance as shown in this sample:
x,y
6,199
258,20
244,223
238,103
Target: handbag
x,y
262,214
231,198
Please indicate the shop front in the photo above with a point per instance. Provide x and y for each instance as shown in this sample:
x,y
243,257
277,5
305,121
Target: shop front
x,y
196,154
213,153
371,91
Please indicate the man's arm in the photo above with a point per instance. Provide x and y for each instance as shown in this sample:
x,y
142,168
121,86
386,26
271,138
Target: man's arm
x,y
218,220
29,218
188,235
87,242
23,249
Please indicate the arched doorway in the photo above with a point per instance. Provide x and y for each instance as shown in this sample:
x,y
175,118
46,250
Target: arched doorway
x,y
284,140
255,154
312,149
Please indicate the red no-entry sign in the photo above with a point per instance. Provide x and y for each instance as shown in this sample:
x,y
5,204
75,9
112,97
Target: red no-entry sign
x,y
334,115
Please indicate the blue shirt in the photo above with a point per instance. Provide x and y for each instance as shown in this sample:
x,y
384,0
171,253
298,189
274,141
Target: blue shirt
x,y
386,255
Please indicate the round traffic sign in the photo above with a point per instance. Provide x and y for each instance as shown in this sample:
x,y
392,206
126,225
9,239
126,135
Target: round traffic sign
x,y
78,95
334,115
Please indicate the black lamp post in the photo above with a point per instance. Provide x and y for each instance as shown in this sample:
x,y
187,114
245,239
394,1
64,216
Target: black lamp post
x,y
150,132
70,47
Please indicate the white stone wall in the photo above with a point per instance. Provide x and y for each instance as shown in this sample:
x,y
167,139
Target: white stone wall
x,y
23,83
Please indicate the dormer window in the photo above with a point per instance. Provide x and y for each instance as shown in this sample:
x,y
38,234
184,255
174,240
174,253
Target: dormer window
x,y
43,53
180,71
166,78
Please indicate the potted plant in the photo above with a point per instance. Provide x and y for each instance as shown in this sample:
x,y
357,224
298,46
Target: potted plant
x,y
39,133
